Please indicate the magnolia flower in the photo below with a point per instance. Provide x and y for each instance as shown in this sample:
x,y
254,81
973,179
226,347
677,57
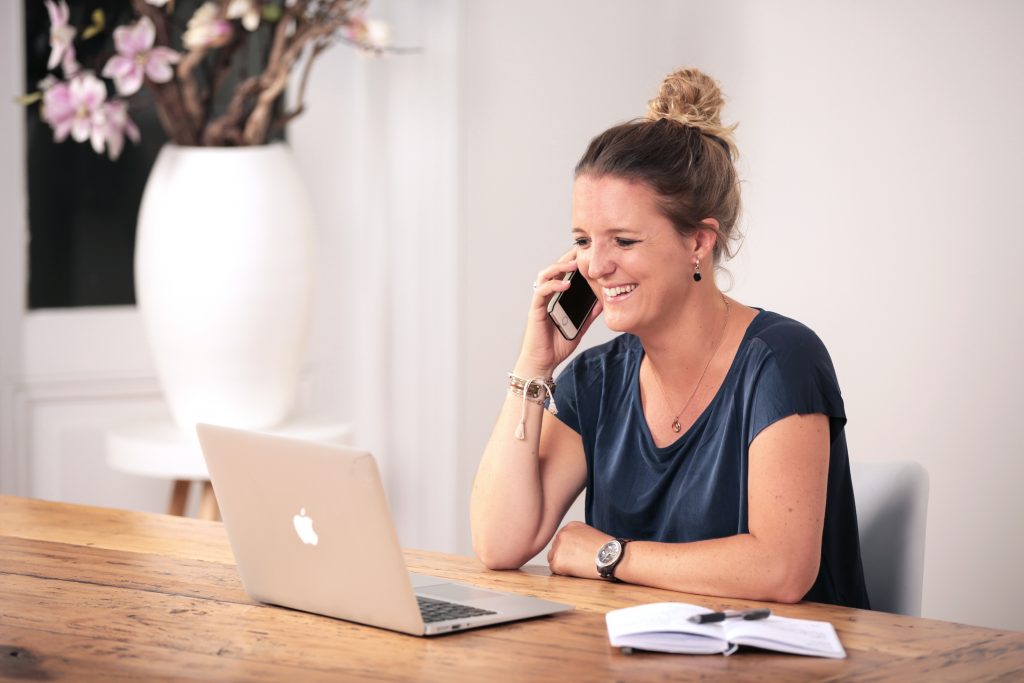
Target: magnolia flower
x,y
206,29
110,125
62,37
373,34
48,82
70,107
248,11
137,58
378,33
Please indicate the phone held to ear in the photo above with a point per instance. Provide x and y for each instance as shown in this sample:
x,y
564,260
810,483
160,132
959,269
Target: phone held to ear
x,y
570,309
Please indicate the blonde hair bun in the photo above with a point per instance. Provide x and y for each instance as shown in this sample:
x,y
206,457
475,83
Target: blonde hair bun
x,y
692,98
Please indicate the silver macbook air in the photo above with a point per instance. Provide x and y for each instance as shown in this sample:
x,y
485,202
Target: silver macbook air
x,y
310,529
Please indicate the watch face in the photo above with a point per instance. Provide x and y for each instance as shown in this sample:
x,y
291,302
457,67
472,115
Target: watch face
x,y
608,553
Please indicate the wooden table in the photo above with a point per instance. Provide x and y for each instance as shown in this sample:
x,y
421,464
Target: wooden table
x,y
92,594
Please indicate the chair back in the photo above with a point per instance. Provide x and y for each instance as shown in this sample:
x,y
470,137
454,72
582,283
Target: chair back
x,y
892,506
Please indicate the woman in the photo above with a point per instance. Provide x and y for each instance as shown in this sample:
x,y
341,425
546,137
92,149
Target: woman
x,y
709,435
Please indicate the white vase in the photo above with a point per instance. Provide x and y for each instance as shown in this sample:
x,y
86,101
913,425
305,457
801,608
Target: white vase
x,y
224,281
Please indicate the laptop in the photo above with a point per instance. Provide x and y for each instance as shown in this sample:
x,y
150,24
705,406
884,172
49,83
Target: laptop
x,y
310,529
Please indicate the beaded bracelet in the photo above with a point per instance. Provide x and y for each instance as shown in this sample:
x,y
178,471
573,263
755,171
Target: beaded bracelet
x,y
531,390
534,389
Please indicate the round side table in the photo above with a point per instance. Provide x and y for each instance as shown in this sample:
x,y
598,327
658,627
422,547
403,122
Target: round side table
x,y
159,448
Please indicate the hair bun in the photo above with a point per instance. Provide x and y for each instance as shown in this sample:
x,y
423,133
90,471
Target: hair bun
x,y
692,98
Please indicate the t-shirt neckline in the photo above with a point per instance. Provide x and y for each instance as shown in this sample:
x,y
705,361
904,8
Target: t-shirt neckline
x,y
684,435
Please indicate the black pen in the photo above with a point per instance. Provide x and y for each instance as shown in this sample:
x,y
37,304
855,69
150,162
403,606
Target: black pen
x,y
745,614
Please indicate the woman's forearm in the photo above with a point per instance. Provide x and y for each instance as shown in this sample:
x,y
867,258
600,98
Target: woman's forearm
x,y
507,501
741,566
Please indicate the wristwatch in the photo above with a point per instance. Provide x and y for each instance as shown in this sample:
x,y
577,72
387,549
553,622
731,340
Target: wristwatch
x,y
609,556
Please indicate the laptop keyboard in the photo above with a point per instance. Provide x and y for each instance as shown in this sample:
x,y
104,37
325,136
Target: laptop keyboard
x,y
439,610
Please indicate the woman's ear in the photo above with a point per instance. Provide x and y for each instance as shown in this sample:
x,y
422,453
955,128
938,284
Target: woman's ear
x,y
705,239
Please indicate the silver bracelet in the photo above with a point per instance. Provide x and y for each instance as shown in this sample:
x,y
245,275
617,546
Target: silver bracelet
x,y
531,390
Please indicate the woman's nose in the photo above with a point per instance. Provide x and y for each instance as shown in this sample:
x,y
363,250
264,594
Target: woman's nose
x,y
597,263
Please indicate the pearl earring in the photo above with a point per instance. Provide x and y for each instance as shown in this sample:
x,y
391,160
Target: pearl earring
x,y
696,271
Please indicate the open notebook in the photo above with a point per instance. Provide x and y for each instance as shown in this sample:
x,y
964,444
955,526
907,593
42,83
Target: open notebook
x,y
665,627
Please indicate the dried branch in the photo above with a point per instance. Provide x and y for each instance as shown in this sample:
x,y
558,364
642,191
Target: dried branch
x,y
283,120
222,65
276,77
171,112
158,17
170,107
183,108
289,15
226,127
190,90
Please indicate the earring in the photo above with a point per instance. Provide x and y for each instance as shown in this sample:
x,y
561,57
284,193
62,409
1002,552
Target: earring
x,y
696,271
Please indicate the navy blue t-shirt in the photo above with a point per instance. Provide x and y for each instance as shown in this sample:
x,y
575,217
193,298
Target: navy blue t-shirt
x,y
696,488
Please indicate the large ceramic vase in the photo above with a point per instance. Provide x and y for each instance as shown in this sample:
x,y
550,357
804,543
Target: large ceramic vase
x,y
224,281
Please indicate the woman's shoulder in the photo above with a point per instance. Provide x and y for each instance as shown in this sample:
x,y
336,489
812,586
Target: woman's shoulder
x,y
618,348
785,337
794,370
610,356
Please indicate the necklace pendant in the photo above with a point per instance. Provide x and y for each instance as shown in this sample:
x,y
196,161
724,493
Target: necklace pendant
x,y
676,427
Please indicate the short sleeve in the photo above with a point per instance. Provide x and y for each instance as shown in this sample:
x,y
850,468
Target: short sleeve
x,y
796,378
566,398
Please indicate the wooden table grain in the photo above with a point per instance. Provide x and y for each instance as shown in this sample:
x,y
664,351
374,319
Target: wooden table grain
x,y
92,594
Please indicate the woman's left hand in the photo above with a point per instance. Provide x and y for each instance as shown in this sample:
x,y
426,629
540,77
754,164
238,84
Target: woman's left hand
x,y
574,549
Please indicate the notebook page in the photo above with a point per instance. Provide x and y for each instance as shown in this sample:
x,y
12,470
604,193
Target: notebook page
x,y
795,636
663,626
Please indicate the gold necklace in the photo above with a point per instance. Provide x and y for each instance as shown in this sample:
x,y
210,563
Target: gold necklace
x,y
676,425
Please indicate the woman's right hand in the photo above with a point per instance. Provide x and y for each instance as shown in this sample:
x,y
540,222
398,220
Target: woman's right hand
x,y
544,347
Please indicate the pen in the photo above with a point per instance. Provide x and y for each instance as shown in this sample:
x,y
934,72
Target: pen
x,y
745,614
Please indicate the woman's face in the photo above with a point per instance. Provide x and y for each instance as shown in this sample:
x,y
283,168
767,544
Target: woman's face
x,y
635,261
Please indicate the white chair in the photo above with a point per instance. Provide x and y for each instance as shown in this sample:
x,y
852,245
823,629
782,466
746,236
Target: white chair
x,y
892,506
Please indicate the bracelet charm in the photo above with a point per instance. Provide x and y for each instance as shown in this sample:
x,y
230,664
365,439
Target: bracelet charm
x,y
532,389
537,390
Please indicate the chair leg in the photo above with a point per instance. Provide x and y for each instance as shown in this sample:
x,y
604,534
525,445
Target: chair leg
x,y
179,497
208,508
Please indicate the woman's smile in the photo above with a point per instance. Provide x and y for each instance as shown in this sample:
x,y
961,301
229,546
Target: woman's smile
x,y
618,293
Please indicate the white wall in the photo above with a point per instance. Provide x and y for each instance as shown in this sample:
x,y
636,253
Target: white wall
x,y
378,146
882,152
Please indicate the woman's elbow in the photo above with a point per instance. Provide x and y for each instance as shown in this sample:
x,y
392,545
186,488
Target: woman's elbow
x,y
790,594
497,555
792,581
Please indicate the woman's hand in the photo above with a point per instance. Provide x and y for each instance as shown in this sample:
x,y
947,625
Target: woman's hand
x,y
544,347
574,550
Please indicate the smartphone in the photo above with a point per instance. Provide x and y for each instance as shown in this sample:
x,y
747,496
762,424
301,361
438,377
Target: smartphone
x,y
570,309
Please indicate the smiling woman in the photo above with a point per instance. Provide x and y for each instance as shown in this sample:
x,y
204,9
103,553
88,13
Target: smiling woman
x,y
709,435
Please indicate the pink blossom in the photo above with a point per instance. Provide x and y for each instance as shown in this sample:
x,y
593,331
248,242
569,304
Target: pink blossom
x,y
373,35
110,124
206,28
137,58
246,10
70,107
62,38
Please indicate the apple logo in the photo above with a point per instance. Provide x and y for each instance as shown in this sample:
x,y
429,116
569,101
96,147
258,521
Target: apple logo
x,y
304,528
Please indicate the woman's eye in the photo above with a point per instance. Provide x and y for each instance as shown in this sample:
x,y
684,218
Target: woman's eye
x,y
623,242
582,241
